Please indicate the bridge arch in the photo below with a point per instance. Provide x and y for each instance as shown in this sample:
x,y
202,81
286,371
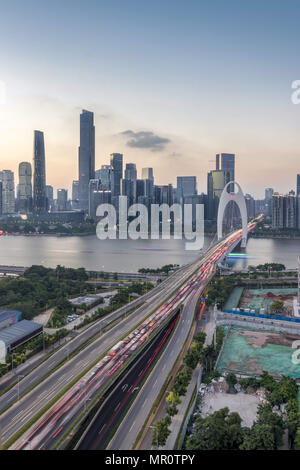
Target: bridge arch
x,y
239,198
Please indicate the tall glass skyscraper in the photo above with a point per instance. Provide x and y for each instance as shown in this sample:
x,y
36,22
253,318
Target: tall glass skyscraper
x,y
298,185
116,162
86,157
39,175
186,186
24,196
226,162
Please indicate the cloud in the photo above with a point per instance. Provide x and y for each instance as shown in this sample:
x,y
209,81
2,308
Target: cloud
x,y
145,140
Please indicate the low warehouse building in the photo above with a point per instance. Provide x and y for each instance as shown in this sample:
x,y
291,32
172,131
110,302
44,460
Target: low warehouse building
x,y
19,333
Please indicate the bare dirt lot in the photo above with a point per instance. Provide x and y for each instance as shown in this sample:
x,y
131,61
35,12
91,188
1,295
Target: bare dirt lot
x,y
242,403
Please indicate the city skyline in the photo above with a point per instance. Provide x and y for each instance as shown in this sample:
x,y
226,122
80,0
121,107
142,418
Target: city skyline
x,y
231,93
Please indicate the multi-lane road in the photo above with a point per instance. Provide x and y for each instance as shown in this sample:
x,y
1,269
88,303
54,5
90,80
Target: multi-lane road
x,y
47,388
187,282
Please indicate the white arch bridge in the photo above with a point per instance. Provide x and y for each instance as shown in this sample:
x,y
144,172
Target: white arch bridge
x,y
225,199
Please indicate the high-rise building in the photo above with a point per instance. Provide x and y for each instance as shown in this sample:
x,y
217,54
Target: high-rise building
x,y
24,196
86,157
186,186
216,182
250,204
290,214
269,193
284,211
226,162
130,176
147,174
105,176
49,196
298,185
8,191
97,196
116,162
62,199
0,198
129,190
39,173
140,188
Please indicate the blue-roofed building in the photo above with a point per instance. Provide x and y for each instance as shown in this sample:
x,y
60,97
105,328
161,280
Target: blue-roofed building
x,y
19,333
9,317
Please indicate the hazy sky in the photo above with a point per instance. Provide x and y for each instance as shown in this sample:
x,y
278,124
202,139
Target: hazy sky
x,y
188,79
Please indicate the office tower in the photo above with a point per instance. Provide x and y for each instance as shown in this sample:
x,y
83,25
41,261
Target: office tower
x,y
164,195
130,175
116,162
75,190
157,196
129,190
140,188
105,176
97,196
8,191
250,204
62,199
130,172
226,162
186,186
0,198
298,185
24,198
49,197
148,188
216,182
147,174
267,210
39,174
86,157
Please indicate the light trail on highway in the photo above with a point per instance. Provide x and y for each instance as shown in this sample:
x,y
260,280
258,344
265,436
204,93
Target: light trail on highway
x,y
56,422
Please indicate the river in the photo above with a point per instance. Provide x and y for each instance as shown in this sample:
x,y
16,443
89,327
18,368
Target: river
x,y
130,255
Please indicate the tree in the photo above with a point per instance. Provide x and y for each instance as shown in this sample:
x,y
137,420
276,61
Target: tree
x,y
277,306
161,431
297,440
219,431
259,437
172,400
231,379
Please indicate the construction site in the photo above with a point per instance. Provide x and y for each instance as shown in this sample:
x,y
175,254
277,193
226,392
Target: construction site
x,y
249,352
260,300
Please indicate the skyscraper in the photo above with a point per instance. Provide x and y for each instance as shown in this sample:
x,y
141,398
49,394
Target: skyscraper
x,y
116,162
268,194
147,174
62,199
49,196
39,175
298,185
226,162
105,176
86,157
216,182
8,191
24,197
186,186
